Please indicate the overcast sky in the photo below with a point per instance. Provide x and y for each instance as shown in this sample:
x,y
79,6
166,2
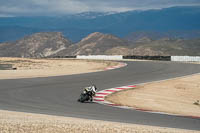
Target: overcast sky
x,y
62,7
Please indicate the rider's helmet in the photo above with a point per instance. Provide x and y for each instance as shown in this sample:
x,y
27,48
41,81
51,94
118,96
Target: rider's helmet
x,y
94,88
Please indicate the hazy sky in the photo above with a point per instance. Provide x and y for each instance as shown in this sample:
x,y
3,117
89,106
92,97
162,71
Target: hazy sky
x,y
62,7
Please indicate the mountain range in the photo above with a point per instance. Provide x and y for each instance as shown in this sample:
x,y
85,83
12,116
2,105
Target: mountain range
x,y
36,45
174,22
50,44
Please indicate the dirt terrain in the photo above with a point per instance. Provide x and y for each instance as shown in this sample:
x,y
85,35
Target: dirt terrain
x,y
16,122
177,96
28,68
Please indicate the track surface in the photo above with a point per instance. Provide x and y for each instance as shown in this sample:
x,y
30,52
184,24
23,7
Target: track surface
x,y
58,95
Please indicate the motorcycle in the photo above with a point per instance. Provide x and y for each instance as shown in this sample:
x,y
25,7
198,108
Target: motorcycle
x,y
85,96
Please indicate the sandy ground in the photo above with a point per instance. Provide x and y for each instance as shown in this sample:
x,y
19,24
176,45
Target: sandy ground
x,y
176,96
28,68
16,122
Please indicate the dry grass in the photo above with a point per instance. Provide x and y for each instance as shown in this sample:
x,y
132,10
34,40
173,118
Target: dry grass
x,y
176,96
16,122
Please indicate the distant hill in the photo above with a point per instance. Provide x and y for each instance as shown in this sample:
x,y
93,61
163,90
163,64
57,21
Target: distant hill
x,y
98,43
48,44
168,46
37,45
155,35
94,44
179,20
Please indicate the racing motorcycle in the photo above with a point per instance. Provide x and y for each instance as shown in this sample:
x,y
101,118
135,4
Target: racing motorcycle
x,y
87,94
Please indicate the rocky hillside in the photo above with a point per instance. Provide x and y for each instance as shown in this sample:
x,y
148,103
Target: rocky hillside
x,y
37,45
155,35
168,46
98,43
54,44
161,47
94,44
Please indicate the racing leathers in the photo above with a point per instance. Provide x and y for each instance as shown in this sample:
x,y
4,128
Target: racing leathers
x,y
91,91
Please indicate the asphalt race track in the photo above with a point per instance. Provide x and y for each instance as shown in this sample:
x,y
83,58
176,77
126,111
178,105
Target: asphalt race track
x,y
58,95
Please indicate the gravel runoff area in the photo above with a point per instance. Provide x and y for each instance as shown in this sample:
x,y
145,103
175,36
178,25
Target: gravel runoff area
x,y
179,96
31,68
16,122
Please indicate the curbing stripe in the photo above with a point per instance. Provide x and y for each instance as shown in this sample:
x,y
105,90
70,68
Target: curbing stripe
x,y
99,96
103,93
111,90
132,86
115,67
120,88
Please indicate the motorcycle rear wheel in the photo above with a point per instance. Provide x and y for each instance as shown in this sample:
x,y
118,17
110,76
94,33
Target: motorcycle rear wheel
x,y
83,98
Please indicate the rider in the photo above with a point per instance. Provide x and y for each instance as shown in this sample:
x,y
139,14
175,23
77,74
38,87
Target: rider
x,y
91,91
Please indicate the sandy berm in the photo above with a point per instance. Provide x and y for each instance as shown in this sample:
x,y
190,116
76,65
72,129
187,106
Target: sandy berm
x,y
19,122
179,96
